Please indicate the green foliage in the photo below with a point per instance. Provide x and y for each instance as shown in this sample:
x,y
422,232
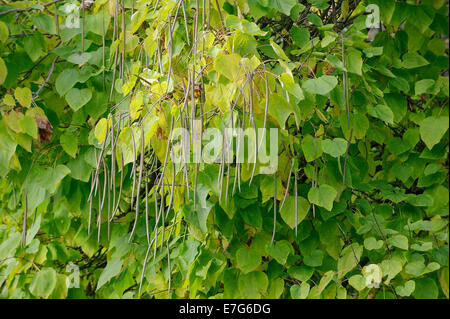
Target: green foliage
x,y
357,208
43,283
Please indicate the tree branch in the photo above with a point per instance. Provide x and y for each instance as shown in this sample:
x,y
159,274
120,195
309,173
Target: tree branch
x,y
27,9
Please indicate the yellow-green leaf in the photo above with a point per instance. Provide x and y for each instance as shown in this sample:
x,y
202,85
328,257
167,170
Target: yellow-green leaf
x,y
289,214
4,32
3,71
23,96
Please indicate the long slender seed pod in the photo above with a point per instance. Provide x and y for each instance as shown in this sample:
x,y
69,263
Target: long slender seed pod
x,y
287,186
82,26
161,181
162,207
105,185
157,214
102,201
103,49
347,106
237,157
346,158
314,184
23,240
169,52
114,22
222,169
114,74
96,177
219,176
168,266
172,188
209,14
56,19
203,15
227,150
185,22
158,50
241,140
113,164
109,207
98,160
172,227
185,166
252,119
133,169
156,6
120,187
238,145
266,108
146,211
172,28
193,128
90,205
186,96
99,212
94,182
116,52
239,137
185,169
195,185
144,266
194,49
122,67
220,13
141,168
112,180
244,112
203,28
296,202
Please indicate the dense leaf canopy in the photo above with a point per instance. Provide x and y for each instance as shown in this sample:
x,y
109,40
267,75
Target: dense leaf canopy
x,y
93,204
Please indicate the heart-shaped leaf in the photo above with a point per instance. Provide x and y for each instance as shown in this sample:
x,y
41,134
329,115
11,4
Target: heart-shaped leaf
x,y
66,80
432,129
77,98
322,85
290,215
247,259
23,95
407,289
322,196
